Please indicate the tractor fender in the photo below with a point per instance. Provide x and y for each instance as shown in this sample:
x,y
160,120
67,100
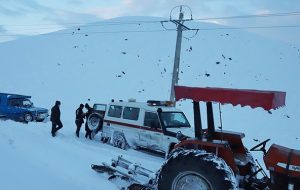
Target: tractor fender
x,y
283,160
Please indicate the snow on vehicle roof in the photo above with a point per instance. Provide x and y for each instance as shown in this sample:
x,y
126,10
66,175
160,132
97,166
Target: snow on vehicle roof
x,y
146,106
11,96
17,96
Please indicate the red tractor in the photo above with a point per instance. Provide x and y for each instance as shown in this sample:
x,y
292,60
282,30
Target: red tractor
x,y
217,159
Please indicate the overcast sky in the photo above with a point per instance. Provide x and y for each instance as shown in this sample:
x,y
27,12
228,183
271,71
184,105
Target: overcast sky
x,y
25,17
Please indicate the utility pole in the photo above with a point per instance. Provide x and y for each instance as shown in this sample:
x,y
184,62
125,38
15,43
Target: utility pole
x,y
177,55
180,28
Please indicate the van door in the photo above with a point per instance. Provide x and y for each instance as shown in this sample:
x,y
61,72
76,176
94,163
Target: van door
x,y
151,135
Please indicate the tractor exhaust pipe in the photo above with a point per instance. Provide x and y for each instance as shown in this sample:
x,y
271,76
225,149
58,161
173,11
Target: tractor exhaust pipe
x,y
197,120
210,121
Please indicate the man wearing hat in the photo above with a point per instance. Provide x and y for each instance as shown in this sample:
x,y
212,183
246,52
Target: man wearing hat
x,y
55,118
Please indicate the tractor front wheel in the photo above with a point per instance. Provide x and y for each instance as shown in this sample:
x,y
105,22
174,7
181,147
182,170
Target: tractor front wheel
x,y
192,169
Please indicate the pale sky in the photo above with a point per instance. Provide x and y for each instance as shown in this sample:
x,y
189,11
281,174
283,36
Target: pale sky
x,y
29,17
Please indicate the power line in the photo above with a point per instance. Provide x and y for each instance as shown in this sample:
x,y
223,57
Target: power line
x,y
251,27
94,24
108,23
111,32
139,22
217,28
252,16
86,33
145,31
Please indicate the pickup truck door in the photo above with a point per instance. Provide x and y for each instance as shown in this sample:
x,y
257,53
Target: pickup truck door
x,y
6,107
10,110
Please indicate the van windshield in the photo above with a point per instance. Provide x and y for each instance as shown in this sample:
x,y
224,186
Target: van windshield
x,y
174,120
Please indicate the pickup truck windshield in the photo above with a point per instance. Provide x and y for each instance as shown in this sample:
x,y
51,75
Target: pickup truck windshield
x,y
174,120
27,103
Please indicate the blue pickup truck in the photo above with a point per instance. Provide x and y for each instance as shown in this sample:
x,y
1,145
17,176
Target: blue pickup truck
x,y
20,108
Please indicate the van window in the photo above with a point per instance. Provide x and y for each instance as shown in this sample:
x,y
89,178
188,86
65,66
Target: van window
x,y
174,120
151,120
115,111
131,113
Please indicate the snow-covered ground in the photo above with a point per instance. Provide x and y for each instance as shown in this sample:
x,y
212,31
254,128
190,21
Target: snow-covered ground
x,y
32,159
96,64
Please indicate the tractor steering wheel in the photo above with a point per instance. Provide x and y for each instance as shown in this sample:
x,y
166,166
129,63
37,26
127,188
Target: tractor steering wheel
x,y
263,147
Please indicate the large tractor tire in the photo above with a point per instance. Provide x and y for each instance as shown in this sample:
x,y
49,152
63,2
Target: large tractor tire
x,y
297,185
194,169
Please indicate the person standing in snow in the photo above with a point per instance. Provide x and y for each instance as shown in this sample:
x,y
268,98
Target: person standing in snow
x,y
55,118
79,118
87,114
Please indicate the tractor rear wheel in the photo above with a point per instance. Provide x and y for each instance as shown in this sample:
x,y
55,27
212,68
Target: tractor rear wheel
x,y
192,169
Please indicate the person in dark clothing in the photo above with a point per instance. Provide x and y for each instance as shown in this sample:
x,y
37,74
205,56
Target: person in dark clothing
x,y
79,118
55,118
87,114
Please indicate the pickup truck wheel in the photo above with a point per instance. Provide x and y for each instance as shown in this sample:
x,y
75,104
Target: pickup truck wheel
x,y
28,117
192,169
119,141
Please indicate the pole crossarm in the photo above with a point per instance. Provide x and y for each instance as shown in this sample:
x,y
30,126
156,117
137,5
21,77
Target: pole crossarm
x,y
181,24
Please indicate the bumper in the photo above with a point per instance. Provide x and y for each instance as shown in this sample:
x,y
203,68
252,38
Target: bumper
x,y
41,116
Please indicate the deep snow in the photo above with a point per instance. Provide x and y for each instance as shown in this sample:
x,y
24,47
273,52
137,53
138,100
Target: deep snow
x,y
85,66
32,159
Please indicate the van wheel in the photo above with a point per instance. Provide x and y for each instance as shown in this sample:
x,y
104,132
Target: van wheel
x,y
192,169
28,117
104,139
119,141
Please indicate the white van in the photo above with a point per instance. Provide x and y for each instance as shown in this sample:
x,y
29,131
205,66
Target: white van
x,y
153,125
